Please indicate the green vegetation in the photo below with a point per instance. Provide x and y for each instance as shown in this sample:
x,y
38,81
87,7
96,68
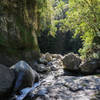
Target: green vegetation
x,y
83,19
25,20
21,23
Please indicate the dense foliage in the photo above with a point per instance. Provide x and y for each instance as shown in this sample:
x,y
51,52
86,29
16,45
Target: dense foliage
x,y
62,41
33,18
83,19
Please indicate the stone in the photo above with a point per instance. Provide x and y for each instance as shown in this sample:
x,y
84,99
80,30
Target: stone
x,y
88,67
25,75
56,85
41,68
68,88
57,56
55,64
48,57
42,60
6,79
71,62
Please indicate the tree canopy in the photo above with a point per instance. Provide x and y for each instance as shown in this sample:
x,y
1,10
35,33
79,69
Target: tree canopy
x,y
31,17
83,19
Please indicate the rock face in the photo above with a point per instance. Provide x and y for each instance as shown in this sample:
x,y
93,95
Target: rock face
x,y
15,27
6,79
71,62
25,75
89,67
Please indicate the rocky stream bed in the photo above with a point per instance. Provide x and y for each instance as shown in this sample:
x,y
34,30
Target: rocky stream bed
x,y
53,79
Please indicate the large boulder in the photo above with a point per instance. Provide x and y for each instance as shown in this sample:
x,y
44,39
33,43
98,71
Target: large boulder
x,y
6,79
25,75
71,62
89,67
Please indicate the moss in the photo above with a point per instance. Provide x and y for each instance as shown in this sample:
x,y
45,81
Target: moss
x,y
24,15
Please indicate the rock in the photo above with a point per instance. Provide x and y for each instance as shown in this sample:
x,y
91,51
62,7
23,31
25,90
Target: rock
x,y
88,67
71,62
6,79
55,64
68,88
48,57
25,75
57,56
41,68
43,60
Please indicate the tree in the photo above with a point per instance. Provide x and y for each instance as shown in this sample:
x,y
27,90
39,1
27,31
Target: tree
x,y
83,18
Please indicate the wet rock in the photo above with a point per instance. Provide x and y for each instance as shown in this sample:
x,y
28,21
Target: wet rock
x,y
71,62
25,75
41,68
6,79
88,67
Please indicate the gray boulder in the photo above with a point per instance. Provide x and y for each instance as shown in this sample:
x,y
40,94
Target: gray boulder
x,y
25,75
6,79
71,62
89,67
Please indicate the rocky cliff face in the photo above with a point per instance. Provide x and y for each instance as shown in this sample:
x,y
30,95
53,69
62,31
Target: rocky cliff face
x,y
18,26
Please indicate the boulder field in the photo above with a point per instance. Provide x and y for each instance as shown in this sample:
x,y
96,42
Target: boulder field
x,y
53,77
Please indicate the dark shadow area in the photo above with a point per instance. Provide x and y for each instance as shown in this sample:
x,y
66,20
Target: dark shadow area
x,y
62,43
